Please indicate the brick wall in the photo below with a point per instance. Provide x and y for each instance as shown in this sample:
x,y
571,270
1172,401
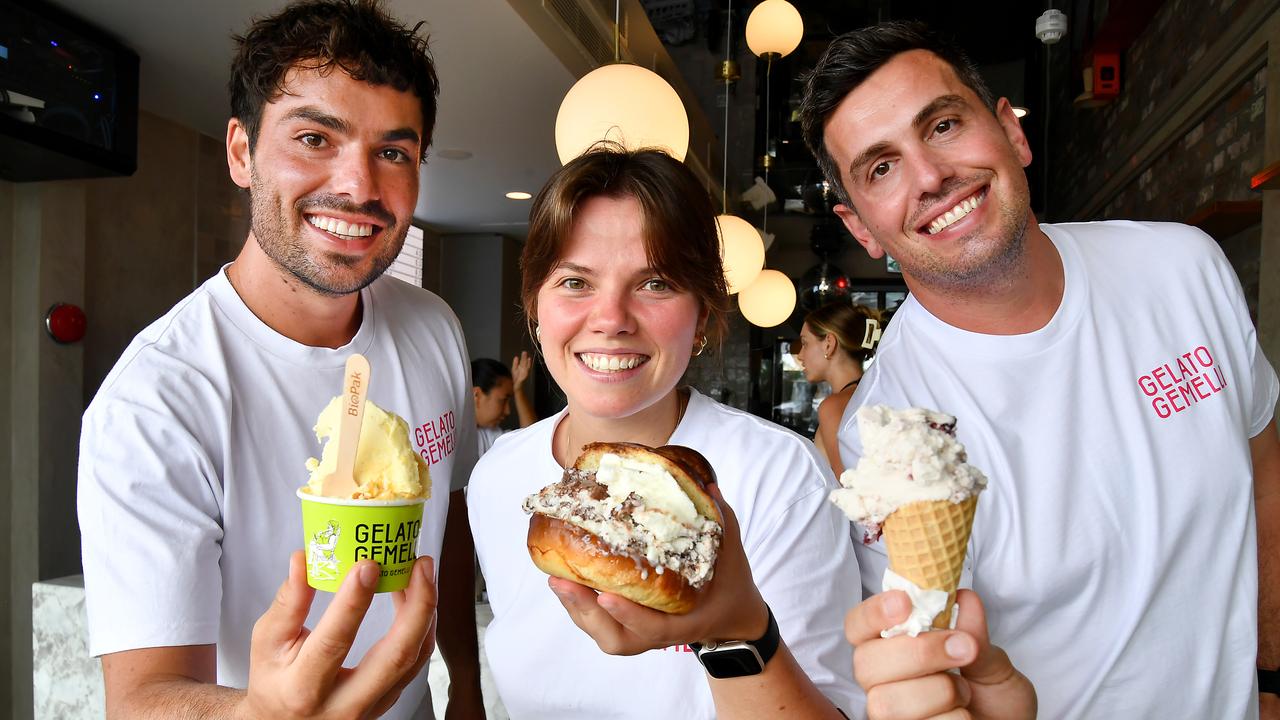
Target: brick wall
x,y
1210,162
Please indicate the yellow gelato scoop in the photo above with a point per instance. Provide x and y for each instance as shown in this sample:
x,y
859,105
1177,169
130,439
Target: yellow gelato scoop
x,y
386,466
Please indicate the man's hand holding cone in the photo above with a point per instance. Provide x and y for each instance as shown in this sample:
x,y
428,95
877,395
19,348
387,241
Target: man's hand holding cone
x,y
908,678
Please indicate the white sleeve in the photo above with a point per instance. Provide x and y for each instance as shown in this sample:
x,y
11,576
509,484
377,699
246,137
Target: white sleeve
x,y
1263,388
148,503
467,442
803,562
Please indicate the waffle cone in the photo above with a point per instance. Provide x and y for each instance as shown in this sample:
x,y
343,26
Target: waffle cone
x,y
927,543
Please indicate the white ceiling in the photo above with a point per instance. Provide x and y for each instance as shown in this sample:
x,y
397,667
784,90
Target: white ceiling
x,y
500,88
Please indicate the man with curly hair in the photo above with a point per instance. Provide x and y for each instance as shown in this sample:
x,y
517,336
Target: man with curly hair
x,y
194,446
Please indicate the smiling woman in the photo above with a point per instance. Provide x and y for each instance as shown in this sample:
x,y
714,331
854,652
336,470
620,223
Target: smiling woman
x,y
623,284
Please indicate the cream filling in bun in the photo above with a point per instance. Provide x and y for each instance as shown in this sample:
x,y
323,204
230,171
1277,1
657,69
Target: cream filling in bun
x,y
624,476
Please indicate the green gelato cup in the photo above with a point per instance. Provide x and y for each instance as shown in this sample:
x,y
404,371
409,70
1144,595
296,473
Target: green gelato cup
x,y
337,533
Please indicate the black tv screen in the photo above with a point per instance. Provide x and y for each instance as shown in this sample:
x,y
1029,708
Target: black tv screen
x,y
68,97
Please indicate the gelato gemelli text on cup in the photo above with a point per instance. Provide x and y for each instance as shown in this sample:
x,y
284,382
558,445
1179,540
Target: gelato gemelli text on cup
x,y
382,518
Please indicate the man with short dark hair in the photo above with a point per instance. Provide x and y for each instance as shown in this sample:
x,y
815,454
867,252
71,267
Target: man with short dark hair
x,y
1106,377
194,446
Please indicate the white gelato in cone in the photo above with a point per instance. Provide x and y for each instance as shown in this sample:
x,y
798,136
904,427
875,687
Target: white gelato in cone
x,y
914,483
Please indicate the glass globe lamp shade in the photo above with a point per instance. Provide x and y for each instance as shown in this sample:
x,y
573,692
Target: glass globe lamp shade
x,y
741,250
626,104
774,26
769,300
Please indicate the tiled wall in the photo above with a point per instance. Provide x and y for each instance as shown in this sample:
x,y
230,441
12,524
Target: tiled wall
x,y
1214,159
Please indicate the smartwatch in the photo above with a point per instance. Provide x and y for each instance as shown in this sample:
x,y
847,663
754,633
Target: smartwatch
x,y
739,658
1269,681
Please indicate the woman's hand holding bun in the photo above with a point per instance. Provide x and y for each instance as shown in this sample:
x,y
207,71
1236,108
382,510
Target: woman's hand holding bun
x,y
729,607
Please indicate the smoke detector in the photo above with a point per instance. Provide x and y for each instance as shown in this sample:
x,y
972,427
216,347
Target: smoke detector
x,y
1051,26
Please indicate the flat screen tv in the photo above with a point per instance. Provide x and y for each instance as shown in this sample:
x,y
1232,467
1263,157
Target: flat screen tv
x,y
68,97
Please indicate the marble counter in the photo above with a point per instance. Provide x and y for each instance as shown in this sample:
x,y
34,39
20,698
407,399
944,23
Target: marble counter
x,y
67,682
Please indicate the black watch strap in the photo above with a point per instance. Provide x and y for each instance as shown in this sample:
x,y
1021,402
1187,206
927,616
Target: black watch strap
x,y
1269,681
766,645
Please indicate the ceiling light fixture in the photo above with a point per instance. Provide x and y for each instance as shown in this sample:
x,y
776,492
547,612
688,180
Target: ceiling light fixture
x,y
768,301
622,103
774,30
742,250
741,247
774,27
1020,112
518,195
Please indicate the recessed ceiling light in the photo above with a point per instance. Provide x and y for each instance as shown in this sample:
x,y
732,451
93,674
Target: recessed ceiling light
x,y
518,195
1020,112
453,153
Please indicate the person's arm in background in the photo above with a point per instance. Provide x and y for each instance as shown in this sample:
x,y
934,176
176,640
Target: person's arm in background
x,y
830,410
1265,450
457,633
521,367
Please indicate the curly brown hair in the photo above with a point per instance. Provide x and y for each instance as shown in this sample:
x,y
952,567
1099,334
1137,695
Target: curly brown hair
x,y
356,36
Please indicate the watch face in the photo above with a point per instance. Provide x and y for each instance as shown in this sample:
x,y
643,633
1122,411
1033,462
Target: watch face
x,y
729,662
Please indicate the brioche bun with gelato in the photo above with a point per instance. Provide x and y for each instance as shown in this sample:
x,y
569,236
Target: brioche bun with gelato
x,y
631,520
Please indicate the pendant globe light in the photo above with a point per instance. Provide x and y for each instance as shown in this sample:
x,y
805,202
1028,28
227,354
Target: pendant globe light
x,y
742,251
768,301
774,28
622,103
741,247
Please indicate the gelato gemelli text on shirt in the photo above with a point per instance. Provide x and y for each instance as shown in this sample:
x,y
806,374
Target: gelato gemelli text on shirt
x,y
1183,382
435,438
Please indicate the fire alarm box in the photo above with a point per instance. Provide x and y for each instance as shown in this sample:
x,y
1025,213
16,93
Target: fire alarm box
x,y
1106,74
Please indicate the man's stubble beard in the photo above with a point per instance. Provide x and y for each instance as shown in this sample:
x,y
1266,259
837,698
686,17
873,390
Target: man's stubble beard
x,y
287,250
980,265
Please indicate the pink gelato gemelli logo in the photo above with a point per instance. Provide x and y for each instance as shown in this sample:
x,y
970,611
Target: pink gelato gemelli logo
x,y
434,439
1183,382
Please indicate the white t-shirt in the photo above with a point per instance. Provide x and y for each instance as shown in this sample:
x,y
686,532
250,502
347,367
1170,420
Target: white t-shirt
x,y
486,437
1115,548
194,446
800,554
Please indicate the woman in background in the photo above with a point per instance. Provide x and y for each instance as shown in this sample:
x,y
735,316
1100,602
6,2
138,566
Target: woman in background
x,y
493,387
836,341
